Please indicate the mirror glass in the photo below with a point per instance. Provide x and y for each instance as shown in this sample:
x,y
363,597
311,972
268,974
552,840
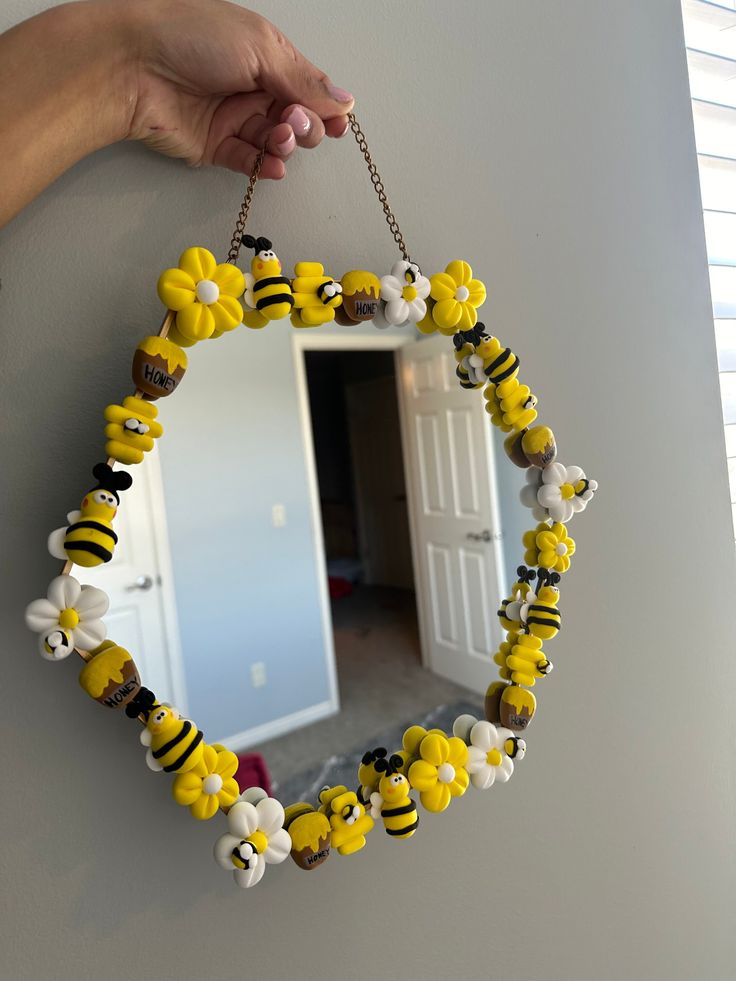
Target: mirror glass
x,y
312,557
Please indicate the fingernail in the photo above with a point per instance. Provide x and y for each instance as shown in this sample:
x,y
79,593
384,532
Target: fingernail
x,y
338,94
287,146
299,121
347,127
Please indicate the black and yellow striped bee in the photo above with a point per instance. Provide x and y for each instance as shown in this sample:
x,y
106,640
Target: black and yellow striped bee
x,y
391,802
89,539
268,294
175,745
542,618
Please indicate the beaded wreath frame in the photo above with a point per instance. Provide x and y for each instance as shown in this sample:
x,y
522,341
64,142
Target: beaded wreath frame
x,y
205,299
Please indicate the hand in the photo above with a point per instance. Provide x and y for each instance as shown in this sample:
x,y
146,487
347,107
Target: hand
x,y
215,81
203,80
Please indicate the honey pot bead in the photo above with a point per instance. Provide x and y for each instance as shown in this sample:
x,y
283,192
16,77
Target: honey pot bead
x,y
158,367
111,677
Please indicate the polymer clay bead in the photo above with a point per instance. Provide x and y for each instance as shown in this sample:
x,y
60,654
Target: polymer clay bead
x,y
404,293
131,429
255,838
203,293
557,492
361,291
348,819
527,661
538,446
439,774
514,450
392,801
488,761
268,294
175,745
517,707
158,367
111,677
210,785
316,295
310,835
456,298
89,539
69,617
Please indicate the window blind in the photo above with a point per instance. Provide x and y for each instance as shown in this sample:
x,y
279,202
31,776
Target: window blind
x,y
710,39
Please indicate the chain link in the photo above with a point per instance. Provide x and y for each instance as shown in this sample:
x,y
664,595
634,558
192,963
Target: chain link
x,y
378,185
236,241
380,190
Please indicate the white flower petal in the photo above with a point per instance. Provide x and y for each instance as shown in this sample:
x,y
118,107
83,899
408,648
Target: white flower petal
x,y
223,850
279,846
253,794
89,634
246,878
528,496
396,311
92,603
574,474
476,759
64,592
391,288
561,511
270,816
462,726
483,735
504,769
548,495
484,778
554,473
422,286
242,819
41,615
417,309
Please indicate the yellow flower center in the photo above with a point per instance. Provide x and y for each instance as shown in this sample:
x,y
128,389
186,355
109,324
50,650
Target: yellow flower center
x,y
567,491
207,291
462,293
493,758
68,618
409,293
445,773
259,841
212,784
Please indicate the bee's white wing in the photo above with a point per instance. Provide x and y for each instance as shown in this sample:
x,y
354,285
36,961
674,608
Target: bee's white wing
x,y
248,297
55,543
73,516
376,803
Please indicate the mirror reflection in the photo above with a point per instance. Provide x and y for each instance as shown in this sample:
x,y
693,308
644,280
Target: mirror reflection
x,y
312,559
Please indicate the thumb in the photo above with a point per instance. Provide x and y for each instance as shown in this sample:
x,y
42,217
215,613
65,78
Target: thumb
x,y
291,78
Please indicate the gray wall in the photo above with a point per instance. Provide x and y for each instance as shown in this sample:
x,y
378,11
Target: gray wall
x,y
551,144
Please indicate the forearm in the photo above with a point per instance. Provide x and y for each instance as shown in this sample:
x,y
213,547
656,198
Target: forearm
x,y
67,88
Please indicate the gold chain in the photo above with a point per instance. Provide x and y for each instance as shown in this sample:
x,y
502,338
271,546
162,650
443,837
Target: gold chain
x,y
380,190
236,240
378,185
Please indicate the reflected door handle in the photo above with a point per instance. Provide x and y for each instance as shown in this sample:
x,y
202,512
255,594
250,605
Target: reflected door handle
x,y
142,582
484,536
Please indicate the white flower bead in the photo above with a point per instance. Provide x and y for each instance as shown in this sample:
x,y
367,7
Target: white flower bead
x,y
488,760
404,293
255,838
69,617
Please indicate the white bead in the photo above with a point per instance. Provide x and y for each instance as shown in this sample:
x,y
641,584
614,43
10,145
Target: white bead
x,y
561,549
445,773
462,293
212,784
207,291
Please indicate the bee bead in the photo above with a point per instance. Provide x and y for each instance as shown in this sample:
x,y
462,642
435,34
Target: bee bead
x,y
131,430
158,367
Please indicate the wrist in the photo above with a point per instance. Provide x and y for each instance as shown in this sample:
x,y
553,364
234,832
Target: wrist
x,y
96,69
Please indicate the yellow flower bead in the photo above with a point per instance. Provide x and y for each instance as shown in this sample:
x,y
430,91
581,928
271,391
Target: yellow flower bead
x,y
457,296
203,293
439,774
210,785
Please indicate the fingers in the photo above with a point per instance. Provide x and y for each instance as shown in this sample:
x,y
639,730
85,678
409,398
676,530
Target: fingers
x,y
291,78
